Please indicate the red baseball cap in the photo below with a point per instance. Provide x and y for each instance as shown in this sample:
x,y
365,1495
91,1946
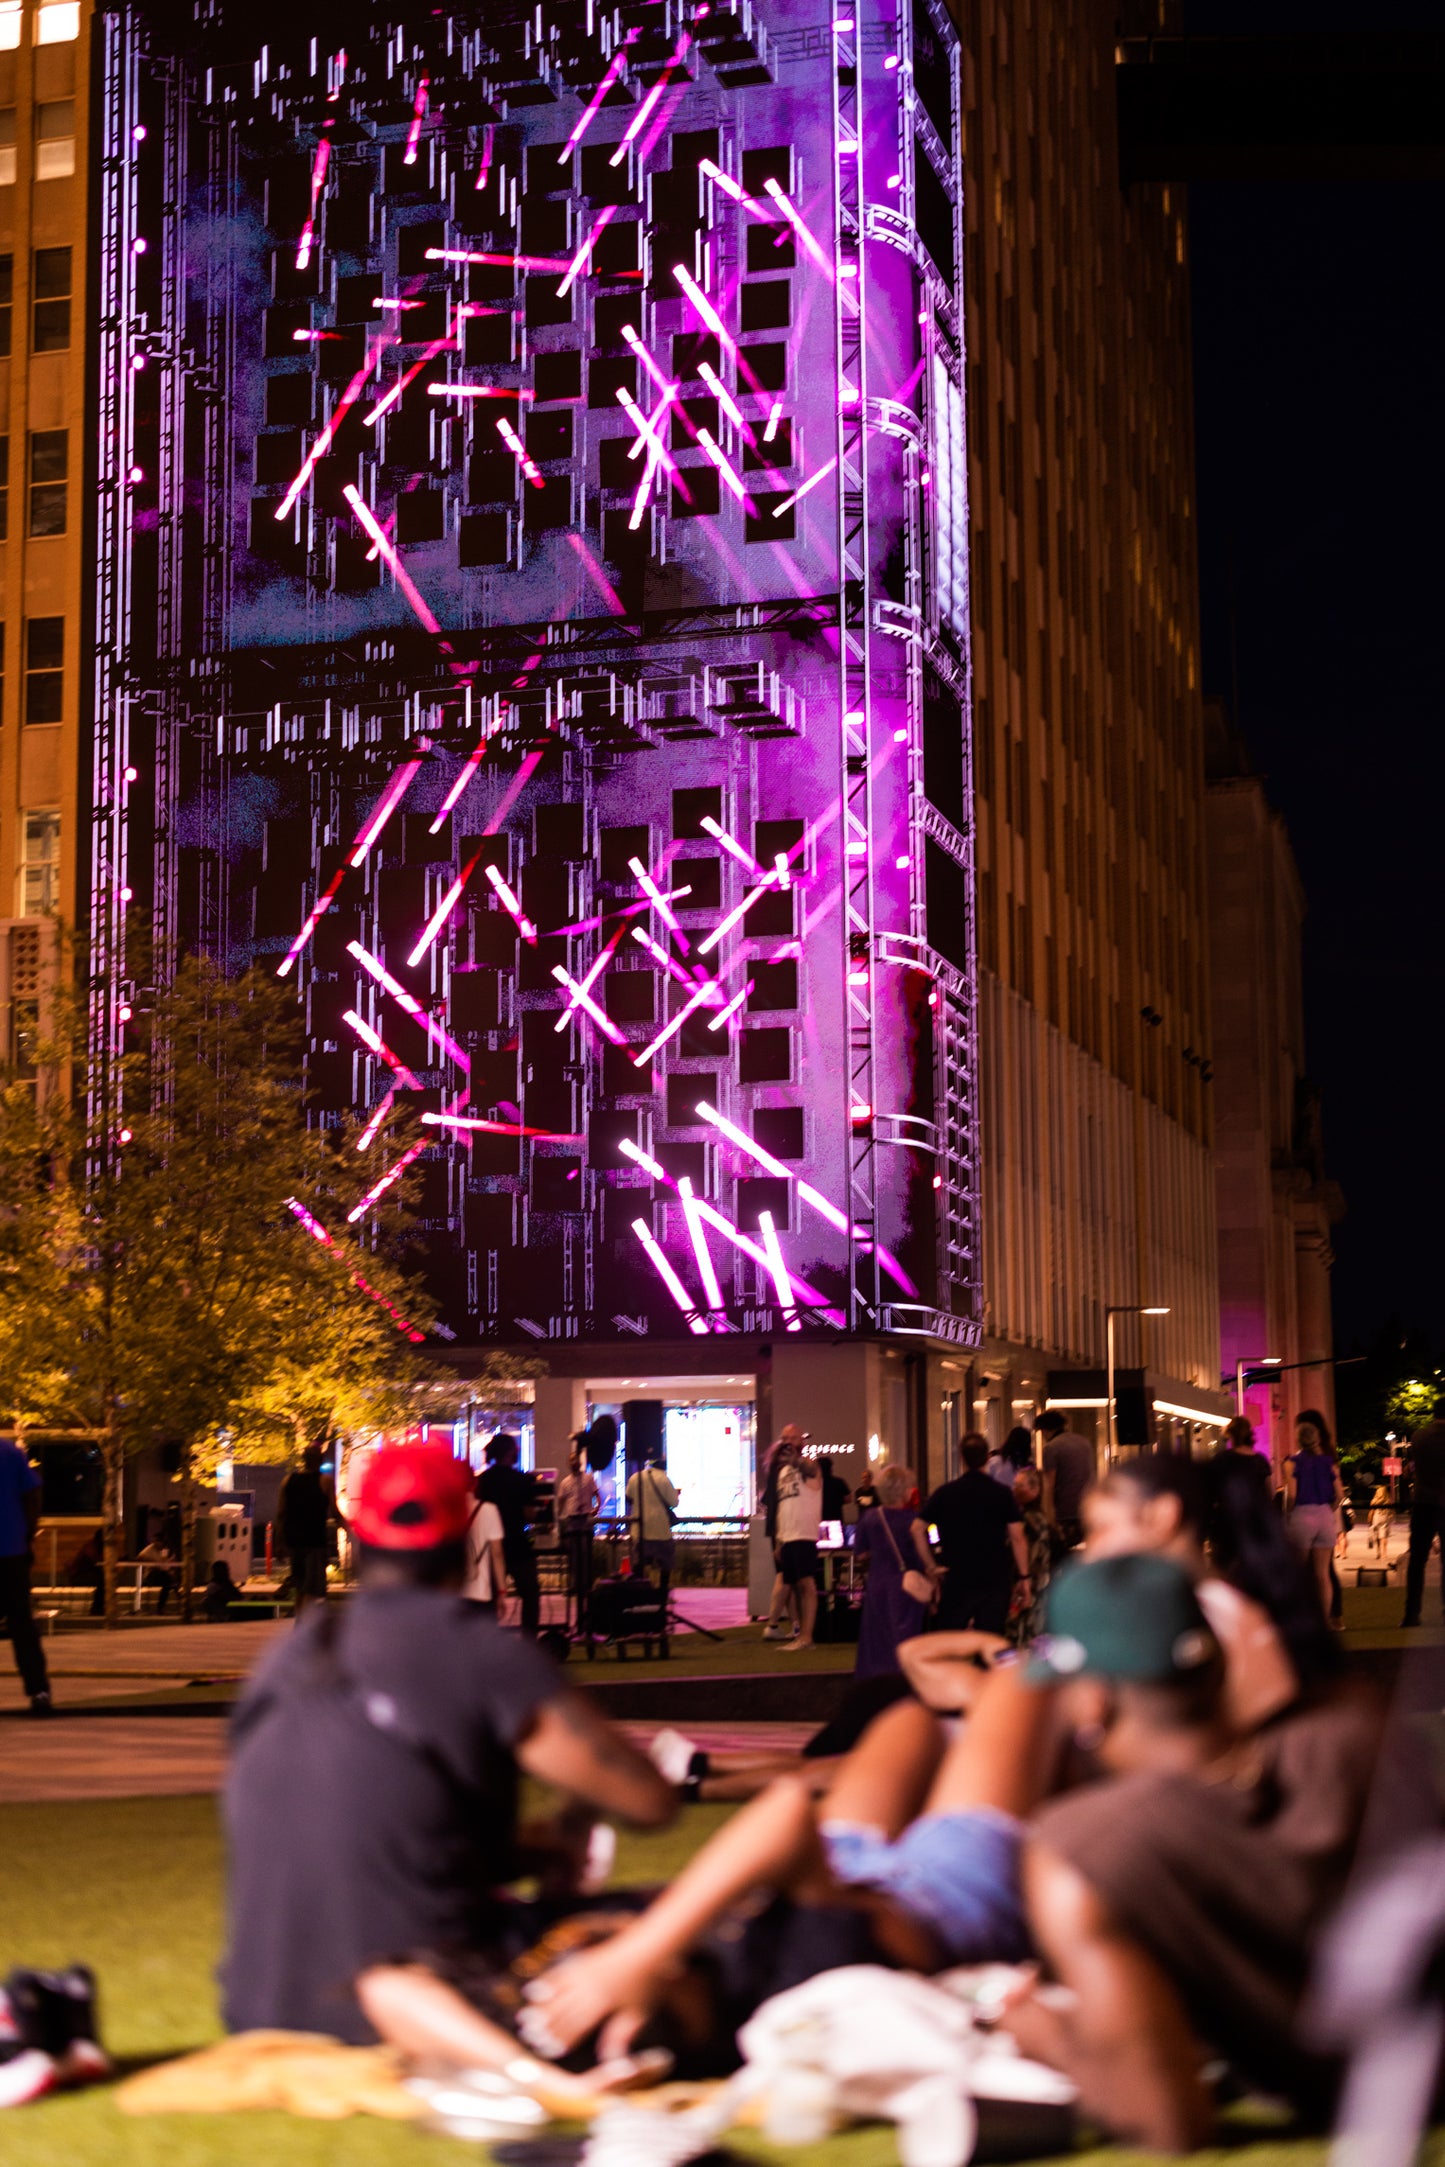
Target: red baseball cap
x,y
412,1497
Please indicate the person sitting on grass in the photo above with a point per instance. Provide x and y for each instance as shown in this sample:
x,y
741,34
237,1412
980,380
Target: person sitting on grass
x,y
1181,1898
371,1805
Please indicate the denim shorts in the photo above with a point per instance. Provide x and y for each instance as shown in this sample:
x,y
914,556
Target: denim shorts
x,y
956,1873
1314,1527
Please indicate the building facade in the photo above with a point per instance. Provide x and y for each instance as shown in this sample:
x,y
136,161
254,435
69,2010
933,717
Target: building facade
x,y
44,588
1276,1205
1094,1017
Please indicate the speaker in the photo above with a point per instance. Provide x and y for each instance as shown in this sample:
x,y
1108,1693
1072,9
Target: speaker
x,y
1133,1409
600,1444
642,1431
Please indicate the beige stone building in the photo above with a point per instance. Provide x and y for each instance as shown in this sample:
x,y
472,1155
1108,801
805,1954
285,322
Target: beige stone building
x,y
1098,1186
44,136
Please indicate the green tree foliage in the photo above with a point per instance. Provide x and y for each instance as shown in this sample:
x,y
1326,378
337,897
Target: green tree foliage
x,y
176,1286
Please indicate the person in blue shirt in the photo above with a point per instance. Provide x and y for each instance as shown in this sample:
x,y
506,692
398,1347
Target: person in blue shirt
x,y
19,1517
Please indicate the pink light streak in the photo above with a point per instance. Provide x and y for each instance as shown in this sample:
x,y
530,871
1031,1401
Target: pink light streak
x,y
318,181
597,576
393,1174
369,1134
593,974
367,519
392,797
715,1023
724,398
725,925
442,912
668,1276
641,495
475,391
787,503
409,1004
782,1284
495,1128
579,262
594,105
519,784
469,769
319,1233
770,1165
344,404
512,907
704,996
379,1047
322,905
418,115
711,1216
724,467
704,307
730,843
658,900
630,339
484,169
712,1292
518,450
482,255
369,421
581,998
730,187
775,415
647,428
800,227
660,955
640,117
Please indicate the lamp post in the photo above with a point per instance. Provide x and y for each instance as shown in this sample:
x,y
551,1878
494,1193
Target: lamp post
x,y
1259,1361
1119,1309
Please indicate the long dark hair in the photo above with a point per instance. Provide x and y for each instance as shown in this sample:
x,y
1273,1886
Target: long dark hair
x,y
1018,1447
1250,1549
1325,1447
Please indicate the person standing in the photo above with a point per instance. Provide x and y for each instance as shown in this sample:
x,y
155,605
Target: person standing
x,y
1026,1613
895,1542
795,1488
579,1501
1312,1498
1427,1509
484,1580
865,1497
651,1508
304,1511
835,1489
981,1544
1068,1466
19,1519
503,1484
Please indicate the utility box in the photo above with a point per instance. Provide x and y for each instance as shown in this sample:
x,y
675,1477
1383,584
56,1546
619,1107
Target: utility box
x,y
223,1533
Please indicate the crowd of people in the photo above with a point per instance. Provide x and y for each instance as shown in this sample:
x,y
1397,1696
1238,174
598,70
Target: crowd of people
x,y
1131,1766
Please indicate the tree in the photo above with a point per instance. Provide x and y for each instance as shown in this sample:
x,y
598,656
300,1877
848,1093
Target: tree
x,y
190,1275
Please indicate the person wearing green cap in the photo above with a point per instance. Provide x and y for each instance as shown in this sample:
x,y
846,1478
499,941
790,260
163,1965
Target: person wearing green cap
x,y
1179,1898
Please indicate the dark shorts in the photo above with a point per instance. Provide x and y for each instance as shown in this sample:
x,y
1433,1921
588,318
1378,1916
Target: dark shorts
x,y
659,1552
308,1569
798,1561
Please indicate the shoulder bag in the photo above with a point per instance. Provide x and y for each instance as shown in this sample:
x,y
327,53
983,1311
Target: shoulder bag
x,y
916,1584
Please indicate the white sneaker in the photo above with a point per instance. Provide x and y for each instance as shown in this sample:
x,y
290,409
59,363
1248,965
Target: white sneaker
x,y
671,1755
778,1632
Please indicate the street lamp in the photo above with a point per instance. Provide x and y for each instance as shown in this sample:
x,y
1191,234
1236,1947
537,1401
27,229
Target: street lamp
x,y
1259,1361
1120,1309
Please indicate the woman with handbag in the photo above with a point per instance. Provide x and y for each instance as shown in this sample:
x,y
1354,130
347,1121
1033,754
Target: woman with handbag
x,y
902,1577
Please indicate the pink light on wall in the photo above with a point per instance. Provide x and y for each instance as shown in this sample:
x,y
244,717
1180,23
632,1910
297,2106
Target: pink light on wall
x,y
648,426
704,996
482,255
344,405
712,1292
704,308
369,421
368,521
640,118
583,256
711,1216
782,1284
442,912
379,1047
725,925
435,1032
474,391
725,1015
658,375
418,115
659,901
318,1233
392,1175
322,905
817,254
594,105
724,399
518,450
786,503
513,908
660,955
581,998
318,182
730,844
392,797
495,1128
724,467
514,790
469,769
597,576
668,1276
372,1130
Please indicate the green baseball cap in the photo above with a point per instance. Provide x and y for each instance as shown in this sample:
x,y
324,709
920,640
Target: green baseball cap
x,y
1134,1618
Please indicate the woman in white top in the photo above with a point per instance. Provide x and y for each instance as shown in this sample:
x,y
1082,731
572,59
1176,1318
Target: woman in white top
x,y
486,1572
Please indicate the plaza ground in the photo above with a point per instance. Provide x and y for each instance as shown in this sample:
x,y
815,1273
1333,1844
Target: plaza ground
x,y
110,1852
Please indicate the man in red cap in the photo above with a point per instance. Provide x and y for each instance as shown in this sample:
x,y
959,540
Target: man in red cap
x,y
371,1806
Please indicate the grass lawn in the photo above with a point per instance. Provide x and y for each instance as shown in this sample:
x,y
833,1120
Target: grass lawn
x,y
134,1886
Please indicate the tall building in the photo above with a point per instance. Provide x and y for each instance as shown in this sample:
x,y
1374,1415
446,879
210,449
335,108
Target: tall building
x,y
1276,1205
1094,1019
44,588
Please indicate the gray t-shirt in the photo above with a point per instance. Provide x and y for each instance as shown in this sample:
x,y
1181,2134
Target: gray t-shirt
x,y
1069,1458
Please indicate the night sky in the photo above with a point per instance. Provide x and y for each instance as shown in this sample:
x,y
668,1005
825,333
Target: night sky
x,y
1319,336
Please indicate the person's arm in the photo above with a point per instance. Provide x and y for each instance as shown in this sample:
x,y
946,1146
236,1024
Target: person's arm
x,y
925,1554
941,1670
1339,1496
1051,1483
1020,1544
1126,2042
1289,1486
579,1751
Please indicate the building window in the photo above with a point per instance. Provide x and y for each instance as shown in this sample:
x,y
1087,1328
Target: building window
x,y
55,140
40,867
57,22
44,669
4,487
8,166
9,25
52,300
49,468
7,274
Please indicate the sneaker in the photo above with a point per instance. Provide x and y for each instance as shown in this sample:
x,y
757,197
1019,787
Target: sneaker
x,y
53,2013
41,1704
671,1754
25,2076
778,1632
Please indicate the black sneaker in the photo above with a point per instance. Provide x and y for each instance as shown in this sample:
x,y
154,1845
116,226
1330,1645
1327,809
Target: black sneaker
x,y
41,1704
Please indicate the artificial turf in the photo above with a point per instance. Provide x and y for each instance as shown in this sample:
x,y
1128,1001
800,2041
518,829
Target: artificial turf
x,y
134,1887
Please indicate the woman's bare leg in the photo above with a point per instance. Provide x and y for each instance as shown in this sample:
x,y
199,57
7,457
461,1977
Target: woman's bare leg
x,y
772,1843
1004,1753
884,1781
